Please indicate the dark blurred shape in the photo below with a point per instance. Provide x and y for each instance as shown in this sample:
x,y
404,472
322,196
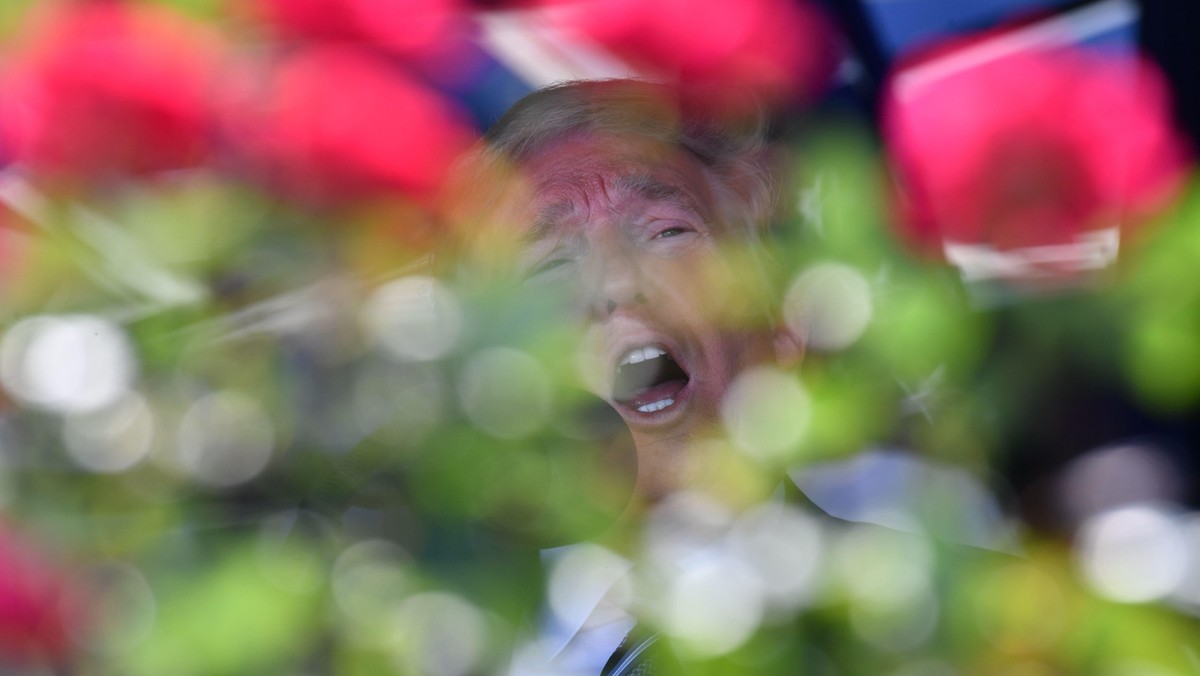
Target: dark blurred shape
x,y
904,25
334,123
778,50
1043,155
486,89
98,90
1161,33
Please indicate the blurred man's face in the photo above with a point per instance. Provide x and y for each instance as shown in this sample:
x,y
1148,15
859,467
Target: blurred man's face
x,y
632,229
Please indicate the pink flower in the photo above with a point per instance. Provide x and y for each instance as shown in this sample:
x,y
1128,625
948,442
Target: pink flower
x,y
107,88
404,27
1035,148
335,123
775,49
36,606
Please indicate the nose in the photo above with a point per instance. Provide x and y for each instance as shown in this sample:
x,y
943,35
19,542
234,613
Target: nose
x,y
614,280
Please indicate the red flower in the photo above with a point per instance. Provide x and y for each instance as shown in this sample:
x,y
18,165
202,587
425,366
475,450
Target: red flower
x,y
1031,149
336,123
776,49
406,27
104,89
36,604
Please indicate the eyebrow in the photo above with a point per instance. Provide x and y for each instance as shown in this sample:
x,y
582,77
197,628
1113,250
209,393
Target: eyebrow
x,y
548,216
643,185
649,187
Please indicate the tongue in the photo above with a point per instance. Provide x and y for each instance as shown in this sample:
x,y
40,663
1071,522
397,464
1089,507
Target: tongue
x,y
666,390
649,381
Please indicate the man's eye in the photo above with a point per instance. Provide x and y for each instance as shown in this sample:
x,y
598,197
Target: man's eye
x,y
547,267
673,231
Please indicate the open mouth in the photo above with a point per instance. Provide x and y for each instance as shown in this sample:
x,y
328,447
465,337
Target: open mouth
x,y
648,379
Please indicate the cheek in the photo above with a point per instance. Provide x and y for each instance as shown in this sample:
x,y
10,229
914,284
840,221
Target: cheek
x,y
591,363
701,290
735,352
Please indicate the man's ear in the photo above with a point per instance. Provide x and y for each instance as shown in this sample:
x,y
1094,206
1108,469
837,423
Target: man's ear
x,y
789,347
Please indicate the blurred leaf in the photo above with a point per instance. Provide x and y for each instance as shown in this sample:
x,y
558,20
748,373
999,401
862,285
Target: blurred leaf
x,y
842,199
922,324
200,9
851,410
1164,356
232,617
12,15
192,225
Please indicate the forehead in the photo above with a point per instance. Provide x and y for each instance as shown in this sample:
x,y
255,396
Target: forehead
x,y
572,178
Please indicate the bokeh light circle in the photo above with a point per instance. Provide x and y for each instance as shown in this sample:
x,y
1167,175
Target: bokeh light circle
x,y
1133,554
443,634
1186,593
766,412
900,628
121,595
881,567
225,438
715,605
784,547
371,580
505,392
68,363
585,574
682,526
414,318
830,305
113,438
1117,475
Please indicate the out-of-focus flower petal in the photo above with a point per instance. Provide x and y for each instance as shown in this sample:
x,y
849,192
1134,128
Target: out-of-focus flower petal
x,y
716,50
334,123
103,89
410,27
1032,149
35,600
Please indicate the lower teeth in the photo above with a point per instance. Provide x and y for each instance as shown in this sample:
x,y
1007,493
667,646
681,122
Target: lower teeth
x,y
656,406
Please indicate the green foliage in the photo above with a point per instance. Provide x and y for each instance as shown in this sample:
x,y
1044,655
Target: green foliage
x,y
240,610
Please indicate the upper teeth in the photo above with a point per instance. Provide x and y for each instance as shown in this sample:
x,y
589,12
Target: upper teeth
x,y
638,355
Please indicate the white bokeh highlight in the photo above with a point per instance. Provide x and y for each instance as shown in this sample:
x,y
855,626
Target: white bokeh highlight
x,y
683,528
766,412
111,439
784,547
715,576
590,581
830,304
68,363
1133,554
442,634
225,439
714,605
414,318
